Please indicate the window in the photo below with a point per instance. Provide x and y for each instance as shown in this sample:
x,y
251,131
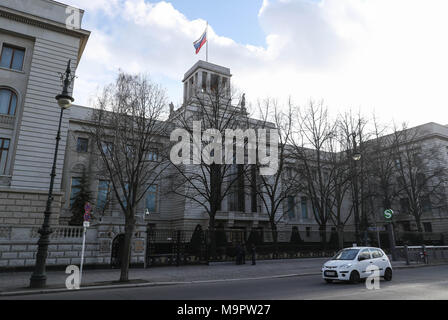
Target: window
x,y
254,193
12,58
406,226
304,205
425,203
427,226
8,102
308,232
125,192
151,199
214,83
365,254
107,147
376,253
291,205
224,83
103,194
4,148
404,204
153,155
75,189
82,145
204,81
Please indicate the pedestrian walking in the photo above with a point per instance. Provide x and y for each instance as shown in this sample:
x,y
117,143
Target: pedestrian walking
x,y
253,254
238,253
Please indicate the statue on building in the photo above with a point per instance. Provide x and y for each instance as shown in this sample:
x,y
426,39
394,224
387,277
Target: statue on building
x,y
243,103
171,108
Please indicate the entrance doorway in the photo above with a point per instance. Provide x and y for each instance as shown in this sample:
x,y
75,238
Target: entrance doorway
x,y
117,251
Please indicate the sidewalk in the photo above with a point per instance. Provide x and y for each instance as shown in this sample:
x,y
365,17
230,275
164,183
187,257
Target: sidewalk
x,y
19,281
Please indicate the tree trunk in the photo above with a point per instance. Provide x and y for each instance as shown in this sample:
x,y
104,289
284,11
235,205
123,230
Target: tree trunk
x,y
212,235
341,236
125,259
418,222
323,236
274,239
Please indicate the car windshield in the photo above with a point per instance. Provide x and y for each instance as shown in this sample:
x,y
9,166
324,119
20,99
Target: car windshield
x,y
346,254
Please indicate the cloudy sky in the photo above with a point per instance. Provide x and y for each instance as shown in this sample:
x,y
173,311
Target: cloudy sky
x,y
390,56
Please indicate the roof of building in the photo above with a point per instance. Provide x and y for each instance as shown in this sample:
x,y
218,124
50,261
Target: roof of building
x,y
207,66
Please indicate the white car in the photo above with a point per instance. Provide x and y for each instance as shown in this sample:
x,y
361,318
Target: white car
x,y
350,264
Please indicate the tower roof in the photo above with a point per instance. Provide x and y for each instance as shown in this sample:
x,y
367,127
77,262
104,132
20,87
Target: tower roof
x,y
207,66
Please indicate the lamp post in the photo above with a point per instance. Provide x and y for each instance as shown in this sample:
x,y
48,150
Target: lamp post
x,y
39,278
356,156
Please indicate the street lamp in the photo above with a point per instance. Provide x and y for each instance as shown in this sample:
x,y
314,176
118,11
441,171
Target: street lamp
x,y
356,156
39,278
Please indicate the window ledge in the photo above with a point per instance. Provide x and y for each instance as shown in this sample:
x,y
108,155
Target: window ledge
x,y
7,119
13,70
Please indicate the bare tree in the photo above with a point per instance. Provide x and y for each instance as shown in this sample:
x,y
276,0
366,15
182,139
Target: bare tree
x,y
210,179
382,173
420,171
340,181
274,190
311,142
356,135
126,128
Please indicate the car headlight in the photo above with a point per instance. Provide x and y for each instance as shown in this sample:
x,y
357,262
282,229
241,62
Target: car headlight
x,y
345,266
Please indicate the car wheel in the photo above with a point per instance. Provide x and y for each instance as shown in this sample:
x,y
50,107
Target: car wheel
x,y
329,280
354,277
388,274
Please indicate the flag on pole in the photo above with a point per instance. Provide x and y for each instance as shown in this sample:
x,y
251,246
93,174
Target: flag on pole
x,y
200,42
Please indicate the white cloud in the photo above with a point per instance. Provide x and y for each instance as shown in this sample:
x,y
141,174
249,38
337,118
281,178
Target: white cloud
x,y
384,54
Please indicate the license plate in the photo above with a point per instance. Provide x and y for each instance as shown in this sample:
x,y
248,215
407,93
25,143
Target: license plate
x,y
330,273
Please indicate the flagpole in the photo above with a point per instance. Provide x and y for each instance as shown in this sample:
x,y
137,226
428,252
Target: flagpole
x,y
206,51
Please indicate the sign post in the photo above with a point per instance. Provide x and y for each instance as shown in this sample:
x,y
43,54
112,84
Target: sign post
x,y
388,215
86,224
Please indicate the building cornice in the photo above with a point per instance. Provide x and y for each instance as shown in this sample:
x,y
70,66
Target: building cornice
x,y
44,23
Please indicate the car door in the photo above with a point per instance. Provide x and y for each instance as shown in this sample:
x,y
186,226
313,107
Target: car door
x,y
364,263
379,259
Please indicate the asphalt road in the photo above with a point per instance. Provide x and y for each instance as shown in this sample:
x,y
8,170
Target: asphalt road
x,y
411,283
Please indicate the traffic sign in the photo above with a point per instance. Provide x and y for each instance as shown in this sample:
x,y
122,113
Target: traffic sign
x,y
388,214
86,224
87,207
86,216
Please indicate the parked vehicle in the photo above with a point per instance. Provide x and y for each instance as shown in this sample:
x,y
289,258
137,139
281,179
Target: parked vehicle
x,y
351,264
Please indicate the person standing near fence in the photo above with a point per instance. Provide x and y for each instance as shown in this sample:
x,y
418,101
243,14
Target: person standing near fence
x,y
238,253
253,254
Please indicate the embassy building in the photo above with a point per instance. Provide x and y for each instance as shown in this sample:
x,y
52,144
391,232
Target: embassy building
x,y
35,46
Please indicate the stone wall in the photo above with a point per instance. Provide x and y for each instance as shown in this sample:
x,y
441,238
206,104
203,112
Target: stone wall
x,y
18,245
26,207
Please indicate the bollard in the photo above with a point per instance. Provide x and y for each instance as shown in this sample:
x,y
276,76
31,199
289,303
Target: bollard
x,y
425,256
178,248
253,255
406,254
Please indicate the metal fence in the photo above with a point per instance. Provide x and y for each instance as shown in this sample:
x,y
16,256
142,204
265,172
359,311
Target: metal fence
x,y
422,254
176,247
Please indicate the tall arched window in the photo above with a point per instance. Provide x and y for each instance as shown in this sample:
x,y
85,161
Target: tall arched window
x,y
8,102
